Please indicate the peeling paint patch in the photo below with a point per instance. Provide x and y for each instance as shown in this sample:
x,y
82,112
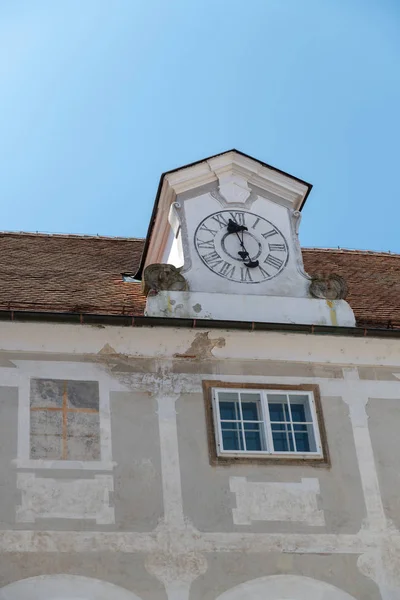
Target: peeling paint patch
x,y
197,308
107,349
202,346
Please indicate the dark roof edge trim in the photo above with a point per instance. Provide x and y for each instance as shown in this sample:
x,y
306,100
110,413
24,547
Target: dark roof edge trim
x,y
141,321
139,272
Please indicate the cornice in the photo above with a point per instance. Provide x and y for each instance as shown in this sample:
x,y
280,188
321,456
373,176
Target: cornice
x,y
233,164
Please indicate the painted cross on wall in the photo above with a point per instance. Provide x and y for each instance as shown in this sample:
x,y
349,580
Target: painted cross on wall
x,y
64,419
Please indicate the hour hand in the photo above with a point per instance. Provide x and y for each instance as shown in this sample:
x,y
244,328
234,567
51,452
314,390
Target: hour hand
x,y
251,264
235,227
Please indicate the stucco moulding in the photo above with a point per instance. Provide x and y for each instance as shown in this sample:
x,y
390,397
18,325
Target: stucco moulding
x,y
247,308
161,277
329,286
234,167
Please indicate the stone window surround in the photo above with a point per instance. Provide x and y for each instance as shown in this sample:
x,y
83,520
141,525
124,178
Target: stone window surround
x,y
72,371
216,458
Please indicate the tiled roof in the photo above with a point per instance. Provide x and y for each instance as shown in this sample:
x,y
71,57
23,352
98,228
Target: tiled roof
x,y
373,279
68,273
64,273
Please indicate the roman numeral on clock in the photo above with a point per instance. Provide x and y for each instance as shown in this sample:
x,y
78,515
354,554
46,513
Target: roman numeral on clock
x,y
227,270
204,227
264,272
212,258
268,234
277,247
245,274
273,261
238,217
220,219
205,244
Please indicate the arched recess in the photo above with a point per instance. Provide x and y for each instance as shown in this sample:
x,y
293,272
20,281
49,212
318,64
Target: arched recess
x,y
64,587
285,587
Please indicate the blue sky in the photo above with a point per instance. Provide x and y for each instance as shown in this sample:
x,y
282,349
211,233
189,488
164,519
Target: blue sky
x,y
99,97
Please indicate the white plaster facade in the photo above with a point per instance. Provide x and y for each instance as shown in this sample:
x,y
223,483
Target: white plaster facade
x,y
224,307
178,557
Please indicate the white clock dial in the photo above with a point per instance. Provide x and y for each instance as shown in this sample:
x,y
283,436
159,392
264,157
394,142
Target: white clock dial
x,y
241,246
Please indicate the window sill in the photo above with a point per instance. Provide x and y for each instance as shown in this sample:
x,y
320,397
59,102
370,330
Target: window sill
x,y
267,455
77,465
265,459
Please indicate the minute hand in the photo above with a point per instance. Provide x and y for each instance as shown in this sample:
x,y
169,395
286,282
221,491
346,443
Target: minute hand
x,y
234,227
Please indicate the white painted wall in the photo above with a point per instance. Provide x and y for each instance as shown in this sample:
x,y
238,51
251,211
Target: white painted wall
x,y
243,307
177,553
64,587
285,587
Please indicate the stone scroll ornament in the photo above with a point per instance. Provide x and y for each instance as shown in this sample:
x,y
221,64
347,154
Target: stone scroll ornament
x,y
328,286
159,277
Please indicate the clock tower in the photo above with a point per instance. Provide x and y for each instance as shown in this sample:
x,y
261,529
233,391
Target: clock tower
x,y
223,244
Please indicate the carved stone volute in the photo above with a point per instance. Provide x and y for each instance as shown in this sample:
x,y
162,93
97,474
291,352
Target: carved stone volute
x,y
329,286
160,277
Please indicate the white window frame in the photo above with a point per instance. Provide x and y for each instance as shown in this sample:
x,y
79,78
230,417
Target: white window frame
x,y
266,424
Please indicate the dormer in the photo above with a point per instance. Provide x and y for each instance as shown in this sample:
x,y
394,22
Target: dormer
x,y
229,226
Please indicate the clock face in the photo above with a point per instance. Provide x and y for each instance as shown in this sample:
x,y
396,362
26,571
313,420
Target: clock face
x,y
241,246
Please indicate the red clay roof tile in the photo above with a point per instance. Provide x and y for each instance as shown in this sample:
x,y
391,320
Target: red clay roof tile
x,y
68,273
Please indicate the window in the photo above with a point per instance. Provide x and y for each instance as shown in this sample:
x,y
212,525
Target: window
x,y
266,421
64,420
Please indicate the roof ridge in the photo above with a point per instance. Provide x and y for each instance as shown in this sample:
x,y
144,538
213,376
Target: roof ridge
x,y
351,251
70,235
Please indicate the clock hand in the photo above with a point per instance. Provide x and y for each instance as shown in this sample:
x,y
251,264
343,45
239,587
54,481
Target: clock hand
x,y
234,227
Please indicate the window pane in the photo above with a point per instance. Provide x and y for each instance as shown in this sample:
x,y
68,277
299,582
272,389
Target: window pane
x,y
229,410
298,427
298,413
253,440
305,438
228,396
278,412
302,443
250,411
254,436
232,425
282,438
232,440
298,401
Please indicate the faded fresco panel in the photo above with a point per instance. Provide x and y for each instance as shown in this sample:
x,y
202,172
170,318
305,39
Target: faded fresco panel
x,y
64,420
